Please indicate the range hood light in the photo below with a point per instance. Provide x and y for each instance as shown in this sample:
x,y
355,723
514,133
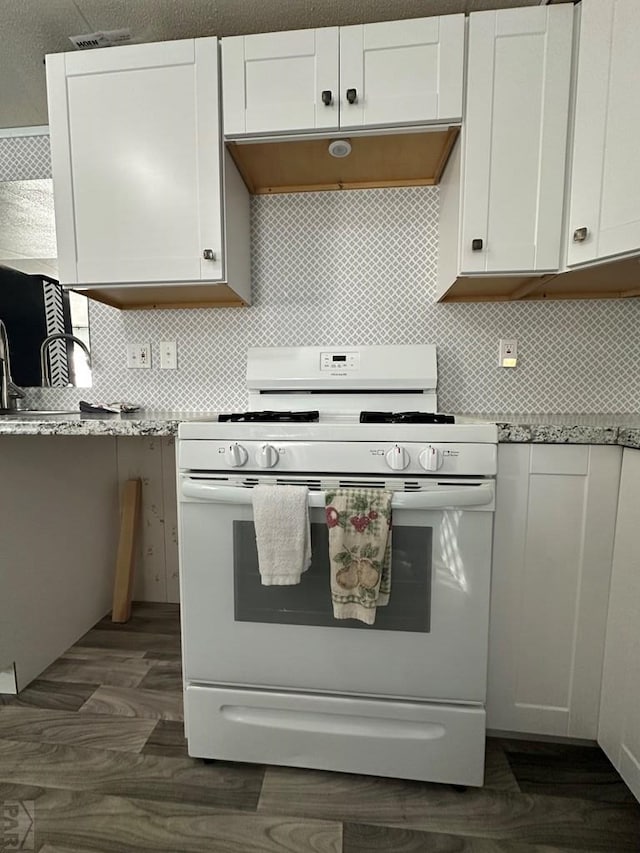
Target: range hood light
x,y
340,148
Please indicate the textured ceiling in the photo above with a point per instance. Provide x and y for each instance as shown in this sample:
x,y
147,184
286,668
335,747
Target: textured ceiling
x,y
32,28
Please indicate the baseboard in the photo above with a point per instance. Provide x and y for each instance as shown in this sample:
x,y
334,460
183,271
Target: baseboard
x,y
575,741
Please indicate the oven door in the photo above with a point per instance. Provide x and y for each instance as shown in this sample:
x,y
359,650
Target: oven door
x,y
429,642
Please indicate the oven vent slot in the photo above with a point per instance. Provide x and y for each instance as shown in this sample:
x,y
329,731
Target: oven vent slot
x,y
411,486
205,477
361,484
312,485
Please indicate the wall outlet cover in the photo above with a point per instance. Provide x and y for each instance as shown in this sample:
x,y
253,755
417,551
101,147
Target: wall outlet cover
x,y
168,355
139,356
508,352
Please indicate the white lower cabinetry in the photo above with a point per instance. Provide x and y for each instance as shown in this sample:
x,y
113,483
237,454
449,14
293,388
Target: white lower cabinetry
x,y
553,541
619,729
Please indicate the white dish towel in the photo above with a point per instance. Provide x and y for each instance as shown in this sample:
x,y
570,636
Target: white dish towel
x,y
283,533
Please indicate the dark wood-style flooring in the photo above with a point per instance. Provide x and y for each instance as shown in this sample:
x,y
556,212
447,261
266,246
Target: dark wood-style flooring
x,y
95,751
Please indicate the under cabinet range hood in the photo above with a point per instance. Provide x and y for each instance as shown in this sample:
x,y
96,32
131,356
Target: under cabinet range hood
x,y
305,164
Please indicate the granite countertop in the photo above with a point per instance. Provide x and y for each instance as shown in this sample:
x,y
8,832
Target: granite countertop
x,y
143,422
623,429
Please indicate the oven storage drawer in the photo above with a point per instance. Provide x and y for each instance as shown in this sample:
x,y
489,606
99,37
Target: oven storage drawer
x,y
408,740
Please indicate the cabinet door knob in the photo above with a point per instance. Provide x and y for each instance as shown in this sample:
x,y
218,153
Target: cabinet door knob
x,y
327,97
580,234
352,96
476,245
209,255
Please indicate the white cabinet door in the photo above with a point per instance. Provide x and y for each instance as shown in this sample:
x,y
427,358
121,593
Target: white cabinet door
x,y
619,730
515,136
402,72
605,183
275,81
553,542
135,146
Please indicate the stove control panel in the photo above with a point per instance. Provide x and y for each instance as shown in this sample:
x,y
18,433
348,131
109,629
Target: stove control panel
x,y
339,361
343,457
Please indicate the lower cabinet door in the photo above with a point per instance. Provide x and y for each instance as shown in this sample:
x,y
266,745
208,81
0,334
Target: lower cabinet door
x,y
619,729
553,543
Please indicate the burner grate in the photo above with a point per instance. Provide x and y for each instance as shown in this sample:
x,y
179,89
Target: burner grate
x,y
405,418
271,417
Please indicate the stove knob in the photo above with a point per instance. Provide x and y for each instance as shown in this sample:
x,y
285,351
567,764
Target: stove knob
x,y
267,456
431,458
236,455
397,458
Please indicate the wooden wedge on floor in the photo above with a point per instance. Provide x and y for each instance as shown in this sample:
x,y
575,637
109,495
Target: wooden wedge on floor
x,y
125,561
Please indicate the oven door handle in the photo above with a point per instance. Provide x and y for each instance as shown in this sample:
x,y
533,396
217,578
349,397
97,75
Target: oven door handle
x,y
441,498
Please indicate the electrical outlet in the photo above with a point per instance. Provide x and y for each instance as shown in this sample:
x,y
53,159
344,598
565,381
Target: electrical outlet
x,y
139,355
168,355
508,353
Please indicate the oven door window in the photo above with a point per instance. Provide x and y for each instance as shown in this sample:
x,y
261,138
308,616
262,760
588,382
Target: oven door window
x,y
309,602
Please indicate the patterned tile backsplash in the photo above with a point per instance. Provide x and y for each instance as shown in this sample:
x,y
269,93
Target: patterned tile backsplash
x,y
24,158
359,267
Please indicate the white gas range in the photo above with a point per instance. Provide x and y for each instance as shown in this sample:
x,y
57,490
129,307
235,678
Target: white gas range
x,y
270,675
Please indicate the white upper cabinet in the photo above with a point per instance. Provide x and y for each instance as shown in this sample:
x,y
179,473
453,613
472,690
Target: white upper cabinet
x,y
514,139
393,73
604,216
280,81
136,155
402,72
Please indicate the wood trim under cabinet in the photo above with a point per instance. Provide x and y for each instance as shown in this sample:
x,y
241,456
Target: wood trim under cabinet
x,y
130,297
617,279
304,165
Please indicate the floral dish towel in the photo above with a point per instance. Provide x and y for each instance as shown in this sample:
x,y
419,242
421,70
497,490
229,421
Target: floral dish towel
x,y
359,522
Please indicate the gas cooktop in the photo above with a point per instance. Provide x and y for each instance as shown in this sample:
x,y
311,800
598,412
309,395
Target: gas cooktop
x,y
385,395
314,416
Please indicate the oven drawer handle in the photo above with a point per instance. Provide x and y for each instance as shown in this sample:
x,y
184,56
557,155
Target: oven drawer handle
x,y
443,498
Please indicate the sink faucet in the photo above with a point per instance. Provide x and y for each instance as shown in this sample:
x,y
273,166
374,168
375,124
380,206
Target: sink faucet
x,y
44,346
9,391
